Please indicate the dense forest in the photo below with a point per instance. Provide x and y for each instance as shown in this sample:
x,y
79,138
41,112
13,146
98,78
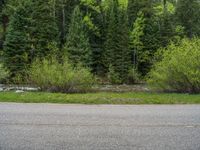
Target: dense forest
x,y
118,41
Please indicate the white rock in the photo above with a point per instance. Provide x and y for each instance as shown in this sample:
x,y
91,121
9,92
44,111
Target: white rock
x,y
1,90
19,91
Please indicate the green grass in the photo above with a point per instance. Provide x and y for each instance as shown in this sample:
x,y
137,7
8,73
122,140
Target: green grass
x,y
100,98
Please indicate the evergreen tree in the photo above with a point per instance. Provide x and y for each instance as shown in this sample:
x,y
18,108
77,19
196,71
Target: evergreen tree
x,y
42,28
2,24
77,43
32,27
187,14
124,55
136,44
164,15
16,47
167,26
105,35
117,48
135,6
150,40
94,20
111,37
63,13
2,4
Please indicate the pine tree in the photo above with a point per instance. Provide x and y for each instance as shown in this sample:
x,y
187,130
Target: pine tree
x,y
2,24
164,15
124,55
2,4
16,47
77,43
150,41
7,9
167,27
42,27
31,29
136,44
187,14
94,20
117,49
135,6
63,12
111,37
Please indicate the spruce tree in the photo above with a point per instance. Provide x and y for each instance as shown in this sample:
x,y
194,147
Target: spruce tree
x,y
124,56
135,6
167,28
136,44
16,46
111,37
187,15
94,20
42,27
31,29
2,4
77,43
63,13
2,25
150,41
117,48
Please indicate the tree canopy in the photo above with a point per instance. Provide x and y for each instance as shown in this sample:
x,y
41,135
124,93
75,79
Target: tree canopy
x,y
107,36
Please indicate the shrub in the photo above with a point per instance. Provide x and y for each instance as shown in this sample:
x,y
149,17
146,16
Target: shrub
x,y
113,76
133,76
53,76
179,70
3,73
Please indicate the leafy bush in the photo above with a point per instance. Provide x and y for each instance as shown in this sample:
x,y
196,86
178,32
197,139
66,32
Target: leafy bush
x,y
3,73
133,76
179,70
53,76
113,76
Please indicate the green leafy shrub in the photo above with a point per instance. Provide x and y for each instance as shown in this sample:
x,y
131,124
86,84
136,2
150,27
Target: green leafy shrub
x,y
179,70
3,73
113,76
50,75
133,76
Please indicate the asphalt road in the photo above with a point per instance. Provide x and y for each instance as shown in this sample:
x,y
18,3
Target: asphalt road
x,y
99,127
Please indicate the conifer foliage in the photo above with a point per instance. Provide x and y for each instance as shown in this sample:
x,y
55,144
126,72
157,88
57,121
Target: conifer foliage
x,y
110,37
31,29
187,15
77,45
117,48
42,28
17,47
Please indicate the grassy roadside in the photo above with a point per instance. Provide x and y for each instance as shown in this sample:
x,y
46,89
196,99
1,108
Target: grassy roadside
x,y
100,98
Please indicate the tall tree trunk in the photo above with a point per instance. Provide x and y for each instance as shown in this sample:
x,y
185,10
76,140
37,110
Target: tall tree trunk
x,y
5,21
63,20
54,8
165,6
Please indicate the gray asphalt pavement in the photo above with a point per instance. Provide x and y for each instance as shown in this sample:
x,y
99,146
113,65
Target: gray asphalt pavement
x,y
99,127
